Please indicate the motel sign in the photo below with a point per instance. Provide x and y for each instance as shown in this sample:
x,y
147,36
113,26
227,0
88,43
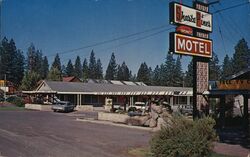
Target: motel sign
x,y
187,45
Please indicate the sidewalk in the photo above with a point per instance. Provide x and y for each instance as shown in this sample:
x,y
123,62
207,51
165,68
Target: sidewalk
x,y
231,150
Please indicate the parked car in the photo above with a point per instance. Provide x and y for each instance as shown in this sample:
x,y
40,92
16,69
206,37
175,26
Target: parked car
x,y
63,106
186,110
141,106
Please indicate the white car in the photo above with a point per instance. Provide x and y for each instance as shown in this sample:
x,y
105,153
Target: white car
x,y
140,105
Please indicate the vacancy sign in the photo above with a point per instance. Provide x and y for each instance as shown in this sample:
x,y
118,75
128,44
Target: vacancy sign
x,y
183,15
188,45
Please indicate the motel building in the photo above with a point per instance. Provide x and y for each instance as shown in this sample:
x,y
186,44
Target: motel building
x,y
232,95
95,93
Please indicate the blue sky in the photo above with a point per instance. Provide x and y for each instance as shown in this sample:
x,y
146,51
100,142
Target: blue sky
x,y
55,26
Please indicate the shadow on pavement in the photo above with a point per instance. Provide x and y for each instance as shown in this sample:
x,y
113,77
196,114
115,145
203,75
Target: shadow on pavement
x,y
234,136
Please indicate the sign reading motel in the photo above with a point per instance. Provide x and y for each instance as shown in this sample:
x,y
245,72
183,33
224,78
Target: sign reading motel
x,y
183,15
188,45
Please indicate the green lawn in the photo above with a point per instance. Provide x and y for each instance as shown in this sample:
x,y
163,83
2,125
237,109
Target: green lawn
x,y
11,108
145,152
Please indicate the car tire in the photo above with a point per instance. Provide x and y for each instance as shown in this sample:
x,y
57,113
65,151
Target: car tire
x,y
54,110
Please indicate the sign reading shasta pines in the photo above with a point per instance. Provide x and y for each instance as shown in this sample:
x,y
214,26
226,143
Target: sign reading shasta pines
x,y
183,15
188,45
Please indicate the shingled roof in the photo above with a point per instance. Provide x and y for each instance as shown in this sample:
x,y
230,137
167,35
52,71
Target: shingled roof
x,y
108,89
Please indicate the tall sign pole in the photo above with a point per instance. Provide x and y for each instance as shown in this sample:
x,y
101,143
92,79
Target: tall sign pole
x,y
192,38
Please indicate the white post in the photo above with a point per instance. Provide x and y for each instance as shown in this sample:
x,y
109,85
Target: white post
x,y
188,100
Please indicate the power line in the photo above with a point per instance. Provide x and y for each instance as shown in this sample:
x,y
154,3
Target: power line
x,y
138,39
112,40
231,7
138,33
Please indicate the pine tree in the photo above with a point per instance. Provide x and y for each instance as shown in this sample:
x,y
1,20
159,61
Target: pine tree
x,y
111,72
241,56
11,62
227,67
92,65
45,67
119,73
30,80
123,73
78,67
64,71
55,74
85,70
178,74
18,70
162,75
31,58
156,76
69,71
57,63
143,74
99,71
188,80
169,71
214,68
35,62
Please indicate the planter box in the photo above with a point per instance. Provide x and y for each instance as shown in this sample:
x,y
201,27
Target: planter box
x,y
84,108
113,117
38,107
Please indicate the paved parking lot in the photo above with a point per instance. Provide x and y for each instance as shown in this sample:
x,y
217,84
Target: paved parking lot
x,y
44,134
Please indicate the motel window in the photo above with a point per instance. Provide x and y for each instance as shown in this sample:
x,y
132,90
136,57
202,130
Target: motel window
x,y
87,99
94,99
182,100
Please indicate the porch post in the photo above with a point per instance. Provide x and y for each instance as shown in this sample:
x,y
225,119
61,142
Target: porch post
x,y
80,97
188,100
246,114
222,110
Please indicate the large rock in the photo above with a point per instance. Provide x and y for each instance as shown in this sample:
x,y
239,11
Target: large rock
x,y
152,123
154,114
137,120
157,109
147,123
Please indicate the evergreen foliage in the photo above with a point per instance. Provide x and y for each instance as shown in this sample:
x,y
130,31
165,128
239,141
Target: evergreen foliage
x,y
99,71
241,56
156,80
111,72
64,71
57,63
69,70
123,73
214,68
11,62
169,79
85,70
184,138
78,67
143,74
54,74
30,80
92,65
227,67
45,68
178,74
188,79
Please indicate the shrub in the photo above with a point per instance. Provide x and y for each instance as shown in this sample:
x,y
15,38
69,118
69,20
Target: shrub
x,y
16,101
184,138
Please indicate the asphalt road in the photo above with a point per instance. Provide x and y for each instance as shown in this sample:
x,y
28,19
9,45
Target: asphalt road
x,y
48,134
